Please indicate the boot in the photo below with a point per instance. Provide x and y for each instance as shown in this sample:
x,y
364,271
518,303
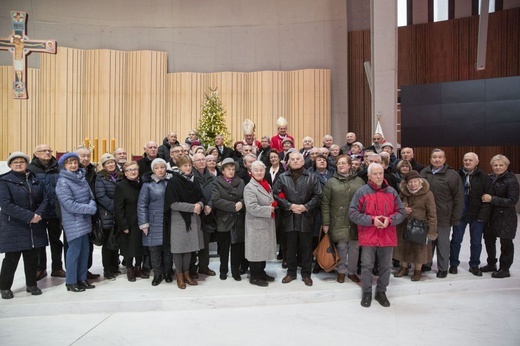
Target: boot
x,y
189,280
139,272
341,278
180,281
402,272
130,274
417,274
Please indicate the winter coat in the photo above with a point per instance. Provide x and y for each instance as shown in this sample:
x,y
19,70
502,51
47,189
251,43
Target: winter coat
x,y
473,206
22,196
449,197
423,208
49,176
224,196
337,194
183,241
307,191
205,181
104,191
260,232
126,197
77,203
370,201
504,192
150,209
145,165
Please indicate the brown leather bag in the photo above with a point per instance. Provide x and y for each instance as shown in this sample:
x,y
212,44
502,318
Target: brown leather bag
x,y
326,253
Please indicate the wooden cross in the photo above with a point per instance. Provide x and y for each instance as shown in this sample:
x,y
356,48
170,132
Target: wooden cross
x,y
20,46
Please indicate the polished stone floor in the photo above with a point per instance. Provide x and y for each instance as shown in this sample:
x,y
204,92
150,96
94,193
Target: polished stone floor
x,y
459,310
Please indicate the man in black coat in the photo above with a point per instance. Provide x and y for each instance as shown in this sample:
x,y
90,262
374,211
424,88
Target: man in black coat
x,y
164,149
475,214
298,193
223,151
46,168
263,153
150,153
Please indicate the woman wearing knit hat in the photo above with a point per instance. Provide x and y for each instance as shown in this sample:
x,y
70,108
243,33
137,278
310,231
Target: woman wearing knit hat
x,y
23,200
77,205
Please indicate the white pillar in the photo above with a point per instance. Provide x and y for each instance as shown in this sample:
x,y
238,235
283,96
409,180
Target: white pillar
x,y
383,25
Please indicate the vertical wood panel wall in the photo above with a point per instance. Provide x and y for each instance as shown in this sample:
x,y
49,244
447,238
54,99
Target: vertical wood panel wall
x,y
440,52
129,96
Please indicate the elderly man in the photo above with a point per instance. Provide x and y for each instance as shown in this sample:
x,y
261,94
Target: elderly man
x,y
446,186
327,141
389,148
276,140
377,210
308,143
121,157
244,172
205,180
263,153
298,193
407,154
223,151
168,142
150,153
475,214
377,142
351,139
46,168
315,151
175,153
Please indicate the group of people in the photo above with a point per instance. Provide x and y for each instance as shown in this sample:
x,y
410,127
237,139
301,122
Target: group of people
x,y
164,210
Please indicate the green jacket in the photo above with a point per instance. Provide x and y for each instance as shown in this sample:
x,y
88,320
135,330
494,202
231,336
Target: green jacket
x,y
337,194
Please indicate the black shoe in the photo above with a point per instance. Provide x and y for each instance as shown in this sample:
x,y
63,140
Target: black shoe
x,y
475,271
85,285
316,269
279,256
396,263
223,276
109,276
488,268
74,288
91,276
237,277
382,299
500,274
7,294
243,271
267,278
375,272
453,270
40,274
366,301
168,278
441,274
34,290
426,268
157,280
284,264
260,283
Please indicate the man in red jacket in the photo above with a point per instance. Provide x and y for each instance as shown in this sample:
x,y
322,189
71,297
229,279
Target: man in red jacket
x,y
377,210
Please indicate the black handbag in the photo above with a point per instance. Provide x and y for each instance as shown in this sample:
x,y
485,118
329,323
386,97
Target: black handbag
x,y
113,240
96,236
416,231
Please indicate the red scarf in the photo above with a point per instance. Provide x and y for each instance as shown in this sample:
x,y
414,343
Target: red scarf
x,y
267,188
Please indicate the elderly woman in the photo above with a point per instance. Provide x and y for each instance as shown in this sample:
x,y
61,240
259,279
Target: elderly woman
x,y
150,216
337,195
105,188
419,203
403,167
356,151
77,205
23,201
212,151
183,204
211,165
503,220
126,197
227,196
260,238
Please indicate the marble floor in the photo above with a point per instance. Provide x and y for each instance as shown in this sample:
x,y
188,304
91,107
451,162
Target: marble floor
x,y
459,310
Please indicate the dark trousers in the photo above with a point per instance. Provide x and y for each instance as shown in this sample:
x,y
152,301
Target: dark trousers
x,y
109,258
507,251
54,231
257,270
237,253
204,253
162,260
303,241
10,263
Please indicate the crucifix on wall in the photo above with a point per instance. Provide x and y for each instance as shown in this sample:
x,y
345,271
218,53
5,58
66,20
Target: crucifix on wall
x,y
19,45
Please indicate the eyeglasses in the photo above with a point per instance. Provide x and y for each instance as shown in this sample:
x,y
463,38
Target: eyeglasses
x,y
44,151
199,160
132,170
18,162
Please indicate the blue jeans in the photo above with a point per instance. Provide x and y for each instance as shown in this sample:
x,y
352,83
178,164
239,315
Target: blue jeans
x,y
475,235
77,260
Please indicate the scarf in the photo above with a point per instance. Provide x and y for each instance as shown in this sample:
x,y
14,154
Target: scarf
x,y
296,173
113,175
267,188
181,188
467,180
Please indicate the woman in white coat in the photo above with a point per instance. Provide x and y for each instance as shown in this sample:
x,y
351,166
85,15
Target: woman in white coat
x,y
260,234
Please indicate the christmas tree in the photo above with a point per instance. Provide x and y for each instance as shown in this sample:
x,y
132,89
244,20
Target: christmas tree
x,y
212,122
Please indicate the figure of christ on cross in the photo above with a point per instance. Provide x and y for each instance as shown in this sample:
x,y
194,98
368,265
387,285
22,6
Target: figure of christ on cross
x,y
20,46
